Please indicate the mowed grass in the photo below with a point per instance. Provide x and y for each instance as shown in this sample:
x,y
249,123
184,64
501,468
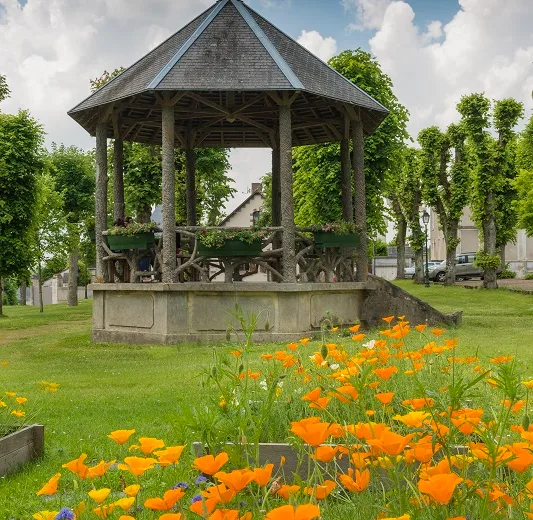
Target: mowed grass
x,y
107,387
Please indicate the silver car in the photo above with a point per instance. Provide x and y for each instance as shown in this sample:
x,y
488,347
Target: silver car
x,y
410,271
464,269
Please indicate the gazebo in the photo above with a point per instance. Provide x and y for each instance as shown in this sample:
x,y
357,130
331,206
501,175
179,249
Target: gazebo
x,y
230,79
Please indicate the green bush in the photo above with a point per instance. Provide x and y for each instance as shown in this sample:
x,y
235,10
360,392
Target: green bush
x,y
9,294
529,276
505,274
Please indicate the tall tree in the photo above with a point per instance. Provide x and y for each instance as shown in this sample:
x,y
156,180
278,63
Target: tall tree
x,y
74,177
21,139
446,183
49,227
410,200
524,181
4,88
317,168
489,171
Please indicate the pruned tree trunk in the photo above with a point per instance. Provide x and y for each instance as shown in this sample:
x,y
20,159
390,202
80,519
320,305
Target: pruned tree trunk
x,y
451,251
400,248
144,214
1,296
503,262
40,276
419,266
73,278
489,242
23,292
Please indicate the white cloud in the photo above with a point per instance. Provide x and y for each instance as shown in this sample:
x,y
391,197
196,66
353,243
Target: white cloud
x,y
324,48
369,13
486,47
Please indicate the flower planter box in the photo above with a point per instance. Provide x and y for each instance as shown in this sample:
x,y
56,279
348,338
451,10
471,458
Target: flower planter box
x,y
231,248
328,239
21,447
125,242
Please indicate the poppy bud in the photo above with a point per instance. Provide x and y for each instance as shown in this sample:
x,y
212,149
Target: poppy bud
x,y
324,351
267,326
526,422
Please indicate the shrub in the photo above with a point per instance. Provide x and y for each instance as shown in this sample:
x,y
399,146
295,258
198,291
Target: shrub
x,y
529,276
506,274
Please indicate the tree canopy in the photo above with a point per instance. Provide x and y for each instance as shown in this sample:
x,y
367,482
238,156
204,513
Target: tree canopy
x,y
317,168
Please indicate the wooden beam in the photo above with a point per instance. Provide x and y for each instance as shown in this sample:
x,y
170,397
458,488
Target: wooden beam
x,y
361,274
101,197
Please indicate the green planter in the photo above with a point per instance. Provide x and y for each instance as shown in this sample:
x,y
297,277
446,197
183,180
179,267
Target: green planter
x,y
327,239
231,248
126,242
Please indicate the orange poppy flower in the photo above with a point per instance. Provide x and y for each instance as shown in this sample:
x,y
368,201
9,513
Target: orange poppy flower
x,y
305,512
205,507
325,453
169,500
390,443
440,487
221,493
170,455
137,465
236,353
359,337
209,464
132,490
311,430
45,515
366,431
148,444
357,484
237,480
345,394
515,407
104,511
77,466
419,403
121,436
528,384
50,488
100,469
287,491
262,475
420,328
305,341
413,419
169,516
125,503
267,357
388,319
386,372
292,346
99,495
321,491
385,397
403,517
229,514
467,420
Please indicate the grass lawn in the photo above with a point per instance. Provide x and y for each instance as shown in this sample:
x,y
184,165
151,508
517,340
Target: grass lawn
x,y
108,387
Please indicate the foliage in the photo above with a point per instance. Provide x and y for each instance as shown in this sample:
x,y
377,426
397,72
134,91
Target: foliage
x,y
216,238
265,219
529,276
133,228
506,274
377,248
9,293
317,168
21,138
342,227
486,261
524,181
4,88
104,78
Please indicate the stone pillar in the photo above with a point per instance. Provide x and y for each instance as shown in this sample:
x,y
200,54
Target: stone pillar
x,y
101,197
276,188
360,200
118,180
190,183
346,181
169,196
287,201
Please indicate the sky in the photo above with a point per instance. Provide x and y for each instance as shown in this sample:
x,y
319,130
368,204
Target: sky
x,y
435,51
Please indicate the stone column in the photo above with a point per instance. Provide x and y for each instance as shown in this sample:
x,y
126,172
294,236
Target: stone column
x,y
287,201
190,183
118,179
361,261
169,196
276,188
346,181
101,197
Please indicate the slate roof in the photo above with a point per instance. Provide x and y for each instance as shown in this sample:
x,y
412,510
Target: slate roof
x,y
231,48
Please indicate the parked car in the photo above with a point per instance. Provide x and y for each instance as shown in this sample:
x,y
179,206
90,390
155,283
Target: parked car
x,y
410,271
464,269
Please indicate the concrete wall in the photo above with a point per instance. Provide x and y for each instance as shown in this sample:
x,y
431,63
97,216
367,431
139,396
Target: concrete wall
x,y
55,291
244,217
173,313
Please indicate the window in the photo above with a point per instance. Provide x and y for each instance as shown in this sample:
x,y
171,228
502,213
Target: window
x,y
255,216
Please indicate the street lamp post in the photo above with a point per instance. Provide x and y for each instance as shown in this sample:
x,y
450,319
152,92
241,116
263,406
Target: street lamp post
x,y
425,220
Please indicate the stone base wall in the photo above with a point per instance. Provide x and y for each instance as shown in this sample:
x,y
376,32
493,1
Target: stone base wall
x,y
199,312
